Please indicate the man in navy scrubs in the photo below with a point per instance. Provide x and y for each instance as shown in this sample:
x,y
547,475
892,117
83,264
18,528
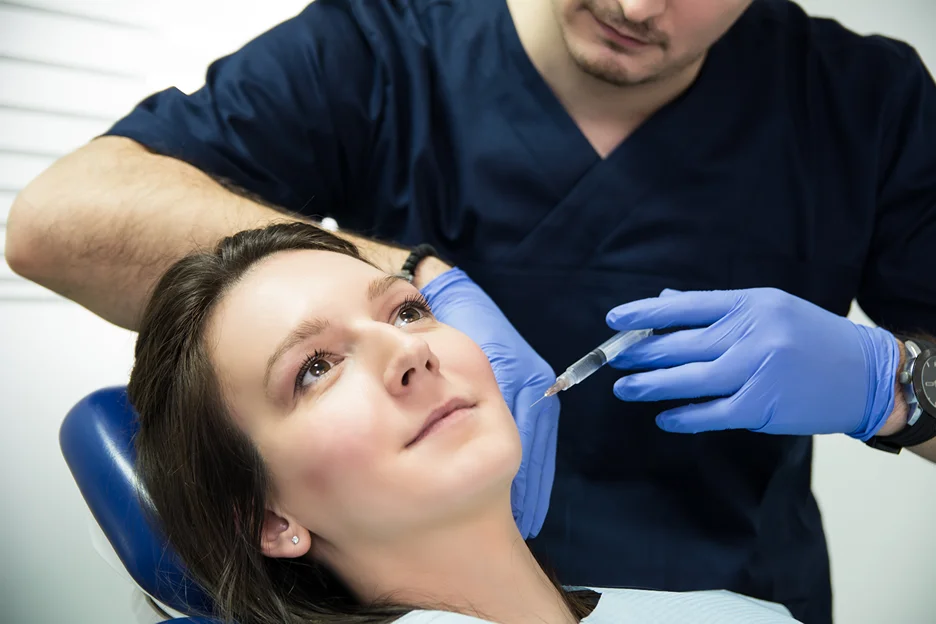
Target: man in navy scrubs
x,y
576,158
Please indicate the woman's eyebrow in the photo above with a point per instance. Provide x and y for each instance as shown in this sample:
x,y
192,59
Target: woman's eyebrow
x,y
307,329
379,286
303,331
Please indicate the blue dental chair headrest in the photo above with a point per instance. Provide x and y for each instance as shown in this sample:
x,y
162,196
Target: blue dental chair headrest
x,y
97,442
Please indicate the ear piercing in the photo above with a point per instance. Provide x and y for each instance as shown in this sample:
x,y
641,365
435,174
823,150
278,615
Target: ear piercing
x,y
295,539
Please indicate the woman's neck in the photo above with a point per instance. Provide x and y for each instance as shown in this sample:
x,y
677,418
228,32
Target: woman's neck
x,y
481,568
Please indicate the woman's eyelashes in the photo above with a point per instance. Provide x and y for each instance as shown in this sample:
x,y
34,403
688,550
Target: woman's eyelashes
x,y
414,308
314,367
319,364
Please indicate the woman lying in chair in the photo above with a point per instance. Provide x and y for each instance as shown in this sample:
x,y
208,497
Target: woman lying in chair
x,y
320,449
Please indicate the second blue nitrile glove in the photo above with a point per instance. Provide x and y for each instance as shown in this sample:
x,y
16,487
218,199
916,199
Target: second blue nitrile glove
x,y
522,375
778,363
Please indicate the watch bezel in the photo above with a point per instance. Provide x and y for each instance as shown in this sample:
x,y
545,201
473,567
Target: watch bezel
x,y
916,380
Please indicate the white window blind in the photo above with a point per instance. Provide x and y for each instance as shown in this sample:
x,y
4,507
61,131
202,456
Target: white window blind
x,y
71,68
68,70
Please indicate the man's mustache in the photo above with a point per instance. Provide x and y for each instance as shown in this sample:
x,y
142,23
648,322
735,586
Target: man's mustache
x,y
612,15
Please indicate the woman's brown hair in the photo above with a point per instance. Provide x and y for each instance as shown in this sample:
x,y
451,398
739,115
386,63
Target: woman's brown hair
x,y
207,482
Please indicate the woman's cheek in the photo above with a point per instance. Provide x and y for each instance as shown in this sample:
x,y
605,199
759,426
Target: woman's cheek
x,y
336,450
462,354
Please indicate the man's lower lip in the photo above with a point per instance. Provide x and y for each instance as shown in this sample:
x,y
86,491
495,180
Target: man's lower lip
x,y
620,39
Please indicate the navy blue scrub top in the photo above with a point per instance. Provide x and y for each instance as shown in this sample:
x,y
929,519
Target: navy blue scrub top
x,y
804,158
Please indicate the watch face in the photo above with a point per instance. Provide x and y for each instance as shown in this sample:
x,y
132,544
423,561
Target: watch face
x,y
928,380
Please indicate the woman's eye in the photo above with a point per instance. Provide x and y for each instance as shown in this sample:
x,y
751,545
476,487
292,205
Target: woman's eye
x,y
319,368
408,315
315,367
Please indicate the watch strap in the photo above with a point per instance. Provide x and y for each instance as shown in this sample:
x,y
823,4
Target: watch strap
x,y
922,431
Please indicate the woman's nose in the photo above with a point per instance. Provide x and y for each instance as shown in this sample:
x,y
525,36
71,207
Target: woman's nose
x,y
411,360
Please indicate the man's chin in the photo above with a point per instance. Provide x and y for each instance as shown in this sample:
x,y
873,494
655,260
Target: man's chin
x,y
615,72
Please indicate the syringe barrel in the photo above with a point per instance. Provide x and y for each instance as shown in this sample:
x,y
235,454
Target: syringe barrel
x,y
584,367
620,341
600,356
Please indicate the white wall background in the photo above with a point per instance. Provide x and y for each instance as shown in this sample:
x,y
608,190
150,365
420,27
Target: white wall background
x,y
68,68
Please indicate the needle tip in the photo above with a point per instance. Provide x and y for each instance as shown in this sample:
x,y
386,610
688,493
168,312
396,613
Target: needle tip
x,y
552,391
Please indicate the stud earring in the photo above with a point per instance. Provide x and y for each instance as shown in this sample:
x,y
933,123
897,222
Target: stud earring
x,y
295,539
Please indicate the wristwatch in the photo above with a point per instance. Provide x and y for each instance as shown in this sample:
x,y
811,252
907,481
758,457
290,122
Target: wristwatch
x,y
918,383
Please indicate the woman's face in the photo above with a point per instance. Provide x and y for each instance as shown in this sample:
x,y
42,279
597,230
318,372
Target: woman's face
x,y
335,370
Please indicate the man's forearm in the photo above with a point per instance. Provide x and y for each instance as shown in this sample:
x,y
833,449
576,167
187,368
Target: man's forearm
x,y
104,223
390,258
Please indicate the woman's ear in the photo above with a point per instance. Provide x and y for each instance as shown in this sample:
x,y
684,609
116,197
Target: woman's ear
x,y
284,539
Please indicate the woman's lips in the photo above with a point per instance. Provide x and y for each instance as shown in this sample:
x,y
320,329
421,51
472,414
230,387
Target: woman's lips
x,y
439,416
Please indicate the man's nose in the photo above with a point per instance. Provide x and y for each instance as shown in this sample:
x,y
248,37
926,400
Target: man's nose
x,y
640,11
410,361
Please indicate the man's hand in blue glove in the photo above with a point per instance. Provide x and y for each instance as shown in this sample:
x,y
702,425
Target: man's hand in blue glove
x,y
780,364
523,377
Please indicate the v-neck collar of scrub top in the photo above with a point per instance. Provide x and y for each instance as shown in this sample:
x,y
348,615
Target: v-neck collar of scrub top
x,y
562,149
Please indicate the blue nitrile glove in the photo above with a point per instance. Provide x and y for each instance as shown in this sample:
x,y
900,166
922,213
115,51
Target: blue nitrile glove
x,y
523,377
781,364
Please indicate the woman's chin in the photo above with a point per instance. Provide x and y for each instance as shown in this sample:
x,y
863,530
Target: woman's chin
x,y
480,472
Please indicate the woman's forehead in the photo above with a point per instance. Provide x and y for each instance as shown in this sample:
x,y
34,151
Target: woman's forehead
x,y
301,278
304,264
283,291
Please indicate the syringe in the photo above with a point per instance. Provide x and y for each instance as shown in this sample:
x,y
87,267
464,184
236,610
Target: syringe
x,y
598,357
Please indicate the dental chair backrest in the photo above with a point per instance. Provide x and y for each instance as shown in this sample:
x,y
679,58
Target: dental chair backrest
x,y
97,442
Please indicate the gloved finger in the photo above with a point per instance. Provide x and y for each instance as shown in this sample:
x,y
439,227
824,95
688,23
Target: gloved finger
x,y
436,288
525,481
705,344
520,485
714,415
546,438
534,467
532,425
666,292
689,309
516,499
689,381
